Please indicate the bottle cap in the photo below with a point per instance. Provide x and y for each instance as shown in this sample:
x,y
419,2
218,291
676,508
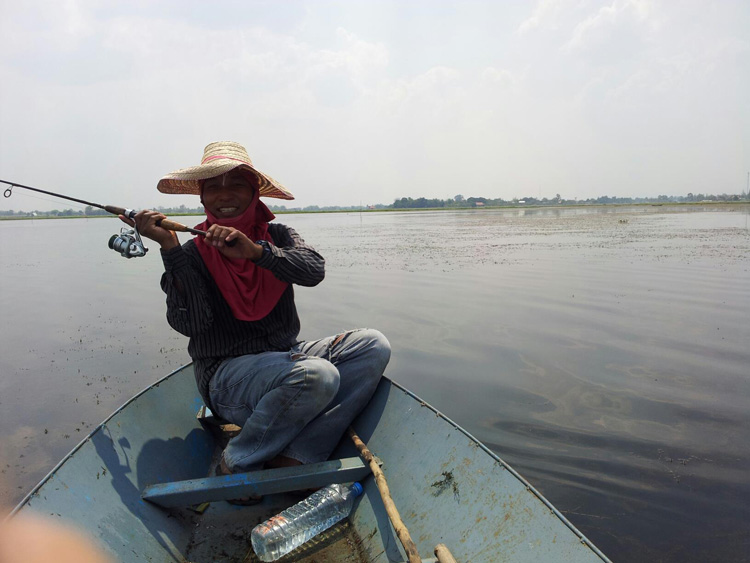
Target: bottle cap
x,y
357,489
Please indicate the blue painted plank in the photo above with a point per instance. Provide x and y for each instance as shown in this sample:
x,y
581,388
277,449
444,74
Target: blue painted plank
x,y
256,483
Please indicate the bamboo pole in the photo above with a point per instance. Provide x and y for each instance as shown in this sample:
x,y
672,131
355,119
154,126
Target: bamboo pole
x,y
390,507
443,554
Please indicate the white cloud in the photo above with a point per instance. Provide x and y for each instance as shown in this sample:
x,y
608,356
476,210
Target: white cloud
x,y
544,16
77,21
498,76
613,32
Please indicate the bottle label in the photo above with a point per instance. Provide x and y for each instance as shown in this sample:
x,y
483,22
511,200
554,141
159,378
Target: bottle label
x,y
268,526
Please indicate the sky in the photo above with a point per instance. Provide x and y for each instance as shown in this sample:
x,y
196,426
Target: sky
x,y
355,103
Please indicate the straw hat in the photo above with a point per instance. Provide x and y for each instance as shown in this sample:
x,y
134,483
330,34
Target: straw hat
x,y
219,158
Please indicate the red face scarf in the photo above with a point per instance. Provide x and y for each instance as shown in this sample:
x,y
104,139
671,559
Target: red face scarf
x,y
250,291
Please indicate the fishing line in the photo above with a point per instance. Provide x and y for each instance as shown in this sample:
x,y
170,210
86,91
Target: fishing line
x,y
9,192
38,198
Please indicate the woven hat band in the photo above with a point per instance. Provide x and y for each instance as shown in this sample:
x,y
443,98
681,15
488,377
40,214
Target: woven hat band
x,y
210,158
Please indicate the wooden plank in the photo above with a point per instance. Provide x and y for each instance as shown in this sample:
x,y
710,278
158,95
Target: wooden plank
x,y
256,483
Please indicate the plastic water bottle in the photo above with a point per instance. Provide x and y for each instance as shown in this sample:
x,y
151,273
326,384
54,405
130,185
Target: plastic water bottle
x,y
288,530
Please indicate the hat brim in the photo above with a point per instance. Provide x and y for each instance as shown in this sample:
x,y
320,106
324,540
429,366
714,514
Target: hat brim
x,y
187,180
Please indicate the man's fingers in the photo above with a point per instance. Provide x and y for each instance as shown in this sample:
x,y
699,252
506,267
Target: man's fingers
x,y
218,235
146,219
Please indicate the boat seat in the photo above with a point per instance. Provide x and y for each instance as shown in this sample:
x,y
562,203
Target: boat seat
x,y
256,483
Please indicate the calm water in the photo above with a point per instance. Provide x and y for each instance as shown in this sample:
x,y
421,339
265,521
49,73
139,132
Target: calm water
x,y
602,353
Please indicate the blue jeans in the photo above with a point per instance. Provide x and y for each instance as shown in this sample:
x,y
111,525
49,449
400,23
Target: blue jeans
x,y
297,403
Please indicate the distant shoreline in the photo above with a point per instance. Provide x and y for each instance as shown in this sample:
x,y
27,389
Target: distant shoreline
x,y
423,209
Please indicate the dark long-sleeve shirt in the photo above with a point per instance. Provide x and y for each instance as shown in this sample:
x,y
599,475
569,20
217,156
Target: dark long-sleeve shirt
x,y
196,308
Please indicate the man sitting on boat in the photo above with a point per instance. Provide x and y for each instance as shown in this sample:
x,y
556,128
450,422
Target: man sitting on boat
x,y
231,293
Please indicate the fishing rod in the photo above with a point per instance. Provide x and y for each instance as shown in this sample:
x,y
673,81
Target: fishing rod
x,y
128,242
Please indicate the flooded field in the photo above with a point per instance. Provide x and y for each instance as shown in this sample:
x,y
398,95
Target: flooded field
x,y
602,352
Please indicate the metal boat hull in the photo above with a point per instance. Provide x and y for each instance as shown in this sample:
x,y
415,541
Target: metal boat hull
x,y
448,487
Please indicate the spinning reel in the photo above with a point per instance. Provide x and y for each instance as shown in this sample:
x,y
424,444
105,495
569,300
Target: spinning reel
x,y
128,243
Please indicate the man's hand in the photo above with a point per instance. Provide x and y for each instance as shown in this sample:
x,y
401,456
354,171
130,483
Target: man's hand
x,y
218,236
146,222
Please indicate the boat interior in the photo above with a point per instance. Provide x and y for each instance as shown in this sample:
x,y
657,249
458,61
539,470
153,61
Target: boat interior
x,y
142,486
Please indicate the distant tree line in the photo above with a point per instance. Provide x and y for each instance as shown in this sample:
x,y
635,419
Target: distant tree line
x,y
37,213
457,202
180,210
460,201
